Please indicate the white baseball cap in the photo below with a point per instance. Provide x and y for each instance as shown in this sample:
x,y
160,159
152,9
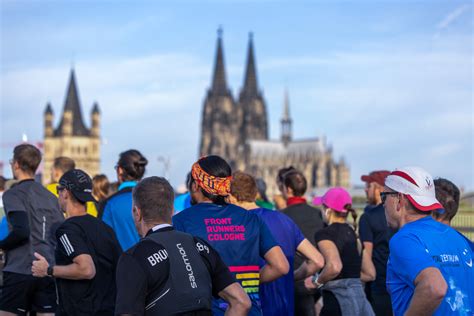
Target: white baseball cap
x,y
417,185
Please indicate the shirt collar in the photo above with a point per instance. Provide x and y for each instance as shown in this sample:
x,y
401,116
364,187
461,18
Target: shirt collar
x,y
127,184
158,228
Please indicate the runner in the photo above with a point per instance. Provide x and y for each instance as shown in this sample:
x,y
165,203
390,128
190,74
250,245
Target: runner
x,y
278,296
61,165
86,255
117,214
345,266
430,264
240,237
375,235
170,272
293,185
32,213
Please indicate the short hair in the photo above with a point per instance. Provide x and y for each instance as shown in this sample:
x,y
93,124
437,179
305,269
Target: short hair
x,y
64,164
243,187
133,164
154,196
217,167
296,181
28,157
448,194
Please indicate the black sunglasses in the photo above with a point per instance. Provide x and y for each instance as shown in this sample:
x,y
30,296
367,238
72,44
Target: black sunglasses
x,y
60,188
383,195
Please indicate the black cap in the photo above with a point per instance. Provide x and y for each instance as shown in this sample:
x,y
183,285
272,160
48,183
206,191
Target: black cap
x,y
79,184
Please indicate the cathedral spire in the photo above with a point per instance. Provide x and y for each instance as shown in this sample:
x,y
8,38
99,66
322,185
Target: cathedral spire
x,y
219,83
73,106
286,121
250,80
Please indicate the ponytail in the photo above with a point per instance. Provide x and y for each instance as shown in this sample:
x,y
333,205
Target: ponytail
x,y
353,212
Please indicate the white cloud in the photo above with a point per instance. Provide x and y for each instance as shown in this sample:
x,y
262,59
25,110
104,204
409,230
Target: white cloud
x,y
453,16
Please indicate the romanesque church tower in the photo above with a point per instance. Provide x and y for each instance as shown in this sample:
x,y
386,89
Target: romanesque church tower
x,y
221,117
71,137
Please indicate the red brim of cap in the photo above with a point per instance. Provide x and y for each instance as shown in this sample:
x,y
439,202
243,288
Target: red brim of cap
x,y
318,200
425,208
366,178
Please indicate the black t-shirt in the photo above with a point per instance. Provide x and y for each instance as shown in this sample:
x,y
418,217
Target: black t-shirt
x,y
345,239
88,235
136,276
373,228
309,219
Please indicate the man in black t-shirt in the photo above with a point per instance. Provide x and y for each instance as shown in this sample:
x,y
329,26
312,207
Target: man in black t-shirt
x,y
86,254
293,185
33,214
375,234
169,272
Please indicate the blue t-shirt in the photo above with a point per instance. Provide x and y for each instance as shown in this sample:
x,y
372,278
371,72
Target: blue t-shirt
x,y
4,228
182,202
118,215
427,243
277,297
240,237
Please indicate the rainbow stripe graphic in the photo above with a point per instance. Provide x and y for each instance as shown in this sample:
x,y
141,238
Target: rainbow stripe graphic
x,y
248,276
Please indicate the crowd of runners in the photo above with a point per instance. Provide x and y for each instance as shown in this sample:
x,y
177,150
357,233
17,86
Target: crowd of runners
x,y
90,246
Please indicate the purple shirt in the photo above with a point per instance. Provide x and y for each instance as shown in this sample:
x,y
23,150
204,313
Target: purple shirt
x,y
277,297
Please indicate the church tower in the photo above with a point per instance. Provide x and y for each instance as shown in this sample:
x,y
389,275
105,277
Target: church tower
x,y
286,121
72,138
251,102
220,116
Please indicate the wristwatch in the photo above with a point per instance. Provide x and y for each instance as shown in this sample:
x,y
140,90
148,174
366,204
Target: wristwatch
x,y
314,279
49,272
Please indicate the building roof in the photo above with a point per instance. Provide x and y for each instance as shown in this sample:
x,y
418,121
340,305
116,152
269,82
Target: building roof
x,y
278,148
72,104
49,109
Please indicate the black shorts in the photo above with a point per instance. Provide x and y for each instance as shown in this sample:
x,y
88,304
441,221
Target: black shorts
x,y
22,293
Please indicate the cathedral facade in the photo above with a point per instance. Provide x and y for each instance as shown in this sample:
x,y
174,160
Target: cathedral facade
x,y
71,138
237,130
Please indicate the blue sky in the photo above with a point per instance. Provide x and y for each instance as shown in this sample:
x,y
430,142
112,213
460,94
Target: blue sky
x,y
389,83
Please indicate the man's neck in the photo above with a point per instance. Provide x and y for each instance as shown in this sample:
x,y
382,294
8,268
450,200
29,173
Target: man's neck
x,y
74,210
146,226
23,176
409,218
247,205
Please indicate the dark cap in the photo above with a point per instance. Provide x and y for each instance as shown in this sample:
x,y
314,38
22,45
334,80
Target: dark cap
x,y
376,176
79,184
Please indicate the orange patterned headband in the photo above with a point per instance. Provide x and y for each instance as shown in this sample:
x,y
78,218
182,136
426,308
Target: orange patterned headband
x,y
211,184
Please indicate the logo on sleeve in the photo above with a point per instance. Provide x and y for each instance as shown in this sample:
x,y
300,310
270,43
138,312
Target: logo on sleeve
x,y
157,257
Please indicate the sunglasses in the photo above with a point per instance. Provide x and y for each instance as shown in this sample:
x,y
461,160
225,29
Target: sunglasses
x,y
383,195
60,188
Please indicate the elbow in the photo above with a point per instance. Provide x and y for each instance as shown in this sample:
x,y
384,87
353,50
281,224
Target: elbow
x,y
438,291
245,304
283,267
89,272
319,263
333,268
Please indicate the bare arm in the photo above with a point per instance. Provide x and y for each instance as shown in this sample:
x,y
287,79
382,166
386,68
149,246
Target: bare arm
x,y
430,289
333,263
82,268
367,272
313,263
239,302
276,266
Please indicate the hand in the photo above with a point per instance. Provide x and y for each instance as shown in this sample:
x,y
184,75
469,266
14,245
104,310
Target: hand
x,y
308,283
39,267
